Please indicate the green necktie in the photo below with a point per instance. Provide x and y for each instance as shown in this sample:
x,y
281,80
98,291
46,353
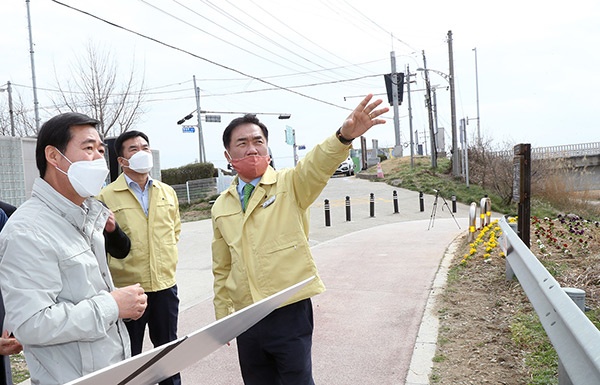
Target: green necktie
x,y
247,192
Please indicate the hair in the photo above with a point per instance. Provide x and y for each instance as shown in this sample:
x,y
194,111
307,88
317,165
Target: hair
x,y
57,132
248,118
126,136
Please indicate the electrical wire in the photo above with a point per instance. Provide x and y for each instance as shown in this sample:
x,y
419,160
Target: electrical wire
x,y
200,57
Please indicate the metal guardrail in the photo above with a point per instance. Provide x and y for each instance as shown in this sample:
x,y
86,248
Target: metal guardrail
x,y
573,335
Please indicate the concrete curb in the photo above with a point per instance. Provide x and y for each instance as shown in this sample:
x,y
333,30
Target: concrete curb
x,y
421,364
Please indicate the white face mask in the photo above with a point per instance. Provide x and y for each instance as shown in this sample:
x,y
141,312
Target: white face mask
x,y
141,162
86,176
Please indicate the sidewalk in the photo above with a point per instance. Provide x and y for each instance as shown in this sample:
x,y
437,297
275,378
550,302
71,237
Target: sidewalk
x,y
379,273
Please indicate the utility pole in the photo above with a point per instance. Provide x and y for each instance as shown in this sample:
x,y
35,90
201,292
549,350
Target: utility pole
x,y
395,102
465,149
35,99
477,93
11,112
410,123
201,156
455,161
430,113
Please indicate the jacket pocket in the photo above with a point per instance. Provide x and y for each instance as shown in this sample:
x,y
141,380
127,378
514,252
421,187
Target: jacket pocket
x,y
282,264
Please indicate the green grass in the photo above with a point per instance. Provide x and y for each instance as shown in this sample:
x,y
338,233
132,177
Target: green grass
x,y
529,335
18,368
424,178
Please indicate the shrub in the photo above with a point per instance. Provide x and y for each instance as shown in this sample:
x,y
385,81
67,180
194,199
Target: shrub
x,y
191,171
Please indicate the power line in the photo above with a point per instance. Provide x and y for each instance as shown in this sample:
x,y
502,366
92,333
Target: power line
x,y
219,38
312,42
200,57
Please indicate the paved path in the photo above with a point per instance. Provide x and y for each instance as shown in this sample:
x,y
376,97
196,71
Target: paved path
x,y
374,324
379,274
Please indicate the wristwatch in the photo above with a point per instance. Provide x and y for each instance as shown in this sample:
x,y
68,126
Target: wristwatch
x,y
341,138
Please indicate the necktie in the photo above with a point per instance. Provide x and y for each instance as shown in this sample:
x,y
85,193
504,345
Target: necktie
x,y
247,192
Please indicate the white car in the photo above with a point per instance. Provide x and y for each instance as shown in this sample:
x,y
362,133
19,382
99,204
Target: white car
x,y
346,167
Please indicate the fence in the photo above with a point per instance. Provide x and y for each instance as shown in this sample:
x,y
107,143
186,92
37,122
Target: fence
x,y
573,335
194,190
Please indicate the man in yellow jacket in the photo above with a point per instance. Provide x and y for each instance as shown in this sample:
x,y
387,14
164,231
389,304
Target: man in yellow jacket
x,y
260,243
148,212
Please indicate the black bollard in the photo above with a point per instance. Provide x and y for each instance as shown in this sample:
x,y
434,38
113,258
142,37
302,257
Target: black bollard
x,y
395,198
348,209
327,214
421,203
453,203
372,199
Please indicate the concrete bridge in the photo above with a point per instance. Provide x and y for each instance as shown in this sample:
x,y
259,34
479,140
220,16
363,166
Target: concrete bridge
x,y
583,159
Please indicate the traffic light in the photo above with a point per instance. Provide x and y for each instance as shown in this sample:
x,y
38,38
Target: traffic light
x,y
399,86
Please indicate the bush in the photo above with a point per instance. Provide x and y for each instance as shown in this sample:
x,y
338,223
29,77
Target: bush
x,y
192,171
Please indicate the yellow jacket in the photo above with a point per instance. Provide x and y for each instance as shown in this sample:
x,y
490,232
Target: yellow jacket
x,y
152,260
265,249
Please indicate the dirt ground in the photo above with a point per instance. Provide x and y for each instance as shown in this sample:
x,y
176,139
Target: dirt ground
x,y
475,344
474,338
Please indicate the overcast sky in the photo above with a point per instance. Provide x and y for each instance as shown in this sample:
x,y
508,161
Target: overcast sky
x,y
537,64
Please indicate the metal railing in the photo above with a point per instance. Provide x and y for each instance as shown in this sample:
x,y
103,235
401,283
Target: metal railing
x,y
566,151
573,335
562,151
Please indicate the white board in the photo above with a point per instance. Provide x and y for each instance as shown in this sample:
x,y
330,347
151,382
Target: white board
x,y
162,362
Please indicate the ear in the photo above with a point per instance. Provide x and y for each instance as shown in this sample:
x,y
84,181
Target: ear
x,y
52,155
227,156
121,161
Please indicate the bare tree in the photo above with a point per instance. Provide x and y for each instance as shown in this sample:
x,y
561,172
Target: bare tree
x,y
24,122
96,90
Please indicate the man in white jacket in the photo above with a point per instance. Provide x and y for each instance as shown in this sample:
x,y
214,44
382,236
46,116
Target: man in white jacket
x,y
60,300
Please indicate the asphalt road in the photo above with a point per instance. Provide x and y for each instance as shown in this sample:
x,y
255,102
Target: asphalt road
x,y
379,272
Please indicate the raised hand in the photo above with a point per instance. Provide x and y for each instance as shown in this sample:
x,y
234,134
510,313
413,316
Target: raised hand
x,y
363,118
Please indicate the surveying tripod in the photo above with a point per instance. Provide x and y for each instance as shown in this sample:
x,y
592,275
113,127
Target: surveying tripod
x,y
434,209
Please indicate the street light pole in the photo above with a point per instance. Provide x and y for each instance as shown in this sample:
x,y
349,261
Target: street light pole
x,y
201,157
410,123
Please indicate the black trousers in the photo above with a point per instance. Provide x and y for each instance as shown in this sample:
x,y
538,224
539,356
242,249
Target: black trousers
x,y
161,317
277,350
